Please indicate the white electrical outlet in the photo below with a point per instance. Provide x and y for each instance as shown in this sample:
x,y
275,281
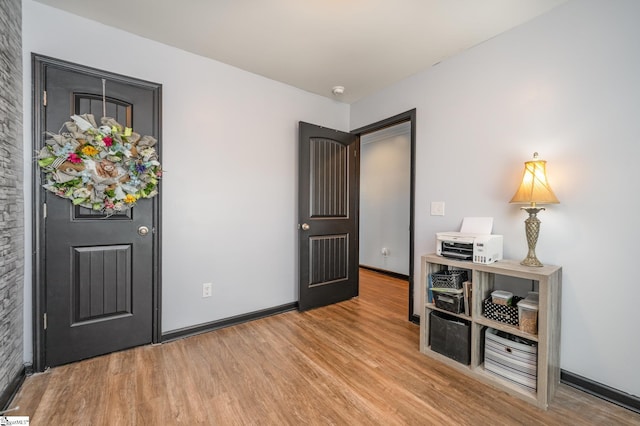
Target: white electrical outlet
x,y
206,290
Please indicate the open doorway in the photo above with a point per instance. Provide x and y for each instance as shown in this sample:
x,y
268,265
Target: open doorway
x,y
386,213
385,189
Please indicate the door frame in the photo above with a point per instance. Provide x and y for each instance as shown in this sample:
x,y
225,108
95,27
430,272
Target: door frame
x,y
39,65
407,116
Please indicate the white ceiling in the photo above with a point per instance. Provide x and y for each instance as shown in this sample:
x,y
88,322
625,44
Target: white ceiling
x,y
363,45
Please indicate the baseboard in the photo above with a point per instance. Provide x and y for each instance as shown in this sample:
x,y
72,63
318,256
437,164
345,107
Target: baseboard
x,y
11,390
605,392
389,273
227,322
415,319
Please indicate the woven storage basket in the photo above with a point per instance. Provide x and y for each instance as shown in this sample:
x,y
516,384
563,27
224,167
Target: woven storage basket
x,y
448,279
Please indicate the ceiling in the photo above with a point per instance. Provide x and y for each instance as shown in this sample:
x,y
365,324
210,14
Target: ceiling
x,y
363,45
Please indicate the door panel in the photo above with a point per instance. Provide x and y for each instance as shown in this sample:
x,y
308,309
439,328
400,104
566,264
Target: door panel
x,y
101,282
99,273
80,213
328,259
328,216
117,109
329,178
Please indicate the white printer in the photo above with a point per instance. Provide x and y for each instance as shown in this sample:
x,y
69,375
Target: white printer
x,y
474,242
479,248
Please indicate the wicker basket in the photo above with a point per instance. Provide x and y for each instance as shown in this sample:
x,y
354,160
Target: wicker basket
x,y
448,279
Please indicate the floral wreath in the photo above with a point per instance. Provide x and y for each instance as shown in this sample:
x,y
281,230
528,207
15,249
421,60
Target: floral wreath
x,y
106,168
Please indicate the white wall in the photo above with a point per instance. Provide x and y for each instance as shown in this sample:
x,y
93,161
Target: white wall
x,y
230,155
566,85
385,190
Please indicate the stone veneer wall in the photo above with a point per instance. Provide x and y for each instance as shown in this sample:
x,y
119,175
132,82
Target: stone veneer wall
x,y
11,197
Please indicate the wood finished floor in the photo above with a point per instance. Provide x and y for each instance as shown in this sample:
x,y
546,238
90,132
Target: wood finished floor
x,y
353,363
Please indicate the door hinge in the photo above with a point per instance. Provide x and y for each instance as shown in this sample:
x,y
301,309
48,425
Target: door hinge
x,y
44,98
44,318
44,210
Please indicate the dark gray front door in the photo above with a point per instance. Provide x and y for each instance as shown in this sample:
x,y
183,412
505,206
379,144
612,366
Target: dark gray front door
x,y
328,200
99,272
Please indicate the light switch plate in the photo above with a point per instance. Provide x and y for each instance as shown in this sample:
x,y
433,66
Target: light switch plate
x,y
437,208
206,289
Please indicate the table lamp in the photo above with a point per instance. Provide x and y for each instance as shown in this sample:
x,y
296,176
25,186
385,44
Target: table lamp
x,y
534,189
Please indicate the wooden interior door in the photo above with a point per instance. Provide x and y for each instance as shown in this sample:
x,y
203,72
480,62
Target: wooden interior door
x,y
99,277
328,216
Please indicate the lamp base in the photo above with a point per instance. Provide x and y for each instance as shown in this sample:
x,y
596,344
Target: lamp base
x,y
531,261
532,229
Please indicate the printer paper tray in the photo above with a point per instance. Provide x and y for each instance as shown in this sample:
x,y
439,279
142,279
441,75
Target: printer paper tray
x,y
461,256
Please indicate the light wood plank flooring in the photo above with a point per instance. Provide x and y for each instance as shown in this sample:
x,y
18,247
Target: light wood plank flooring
x,y
353,363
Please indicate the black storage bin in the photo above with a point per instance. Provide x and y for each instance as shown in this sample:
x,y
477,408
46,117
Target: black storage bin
x,y
451,302
448,279
450,337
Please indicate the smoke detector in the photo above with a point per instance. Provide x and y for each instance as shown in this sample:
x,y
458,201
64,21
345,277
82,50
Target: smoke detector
x,y
337,90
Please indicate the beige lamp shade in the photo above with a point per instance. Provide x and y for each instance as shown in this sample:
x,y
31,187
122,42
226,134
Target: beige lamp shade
x,y
534,187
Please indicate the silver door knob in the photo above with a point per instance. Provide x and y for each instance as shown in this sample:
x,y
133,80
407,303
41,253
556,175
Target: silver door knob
x,y
305,227
143,230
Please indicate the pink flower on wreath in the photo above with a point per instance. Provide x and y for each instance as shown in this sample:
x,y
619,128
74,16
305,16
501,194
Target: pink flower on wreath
x,y
108,140
74,158
108,204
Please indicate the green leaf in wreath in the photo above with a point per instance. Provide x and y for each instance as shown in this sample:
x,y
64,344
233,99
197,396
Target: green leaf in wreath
x,y
71,184
77,201
46,161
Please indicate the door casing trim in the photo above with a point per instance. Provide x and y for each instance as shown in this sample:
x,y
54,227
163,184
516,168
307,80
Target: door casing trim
x,y
408,116
39,65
